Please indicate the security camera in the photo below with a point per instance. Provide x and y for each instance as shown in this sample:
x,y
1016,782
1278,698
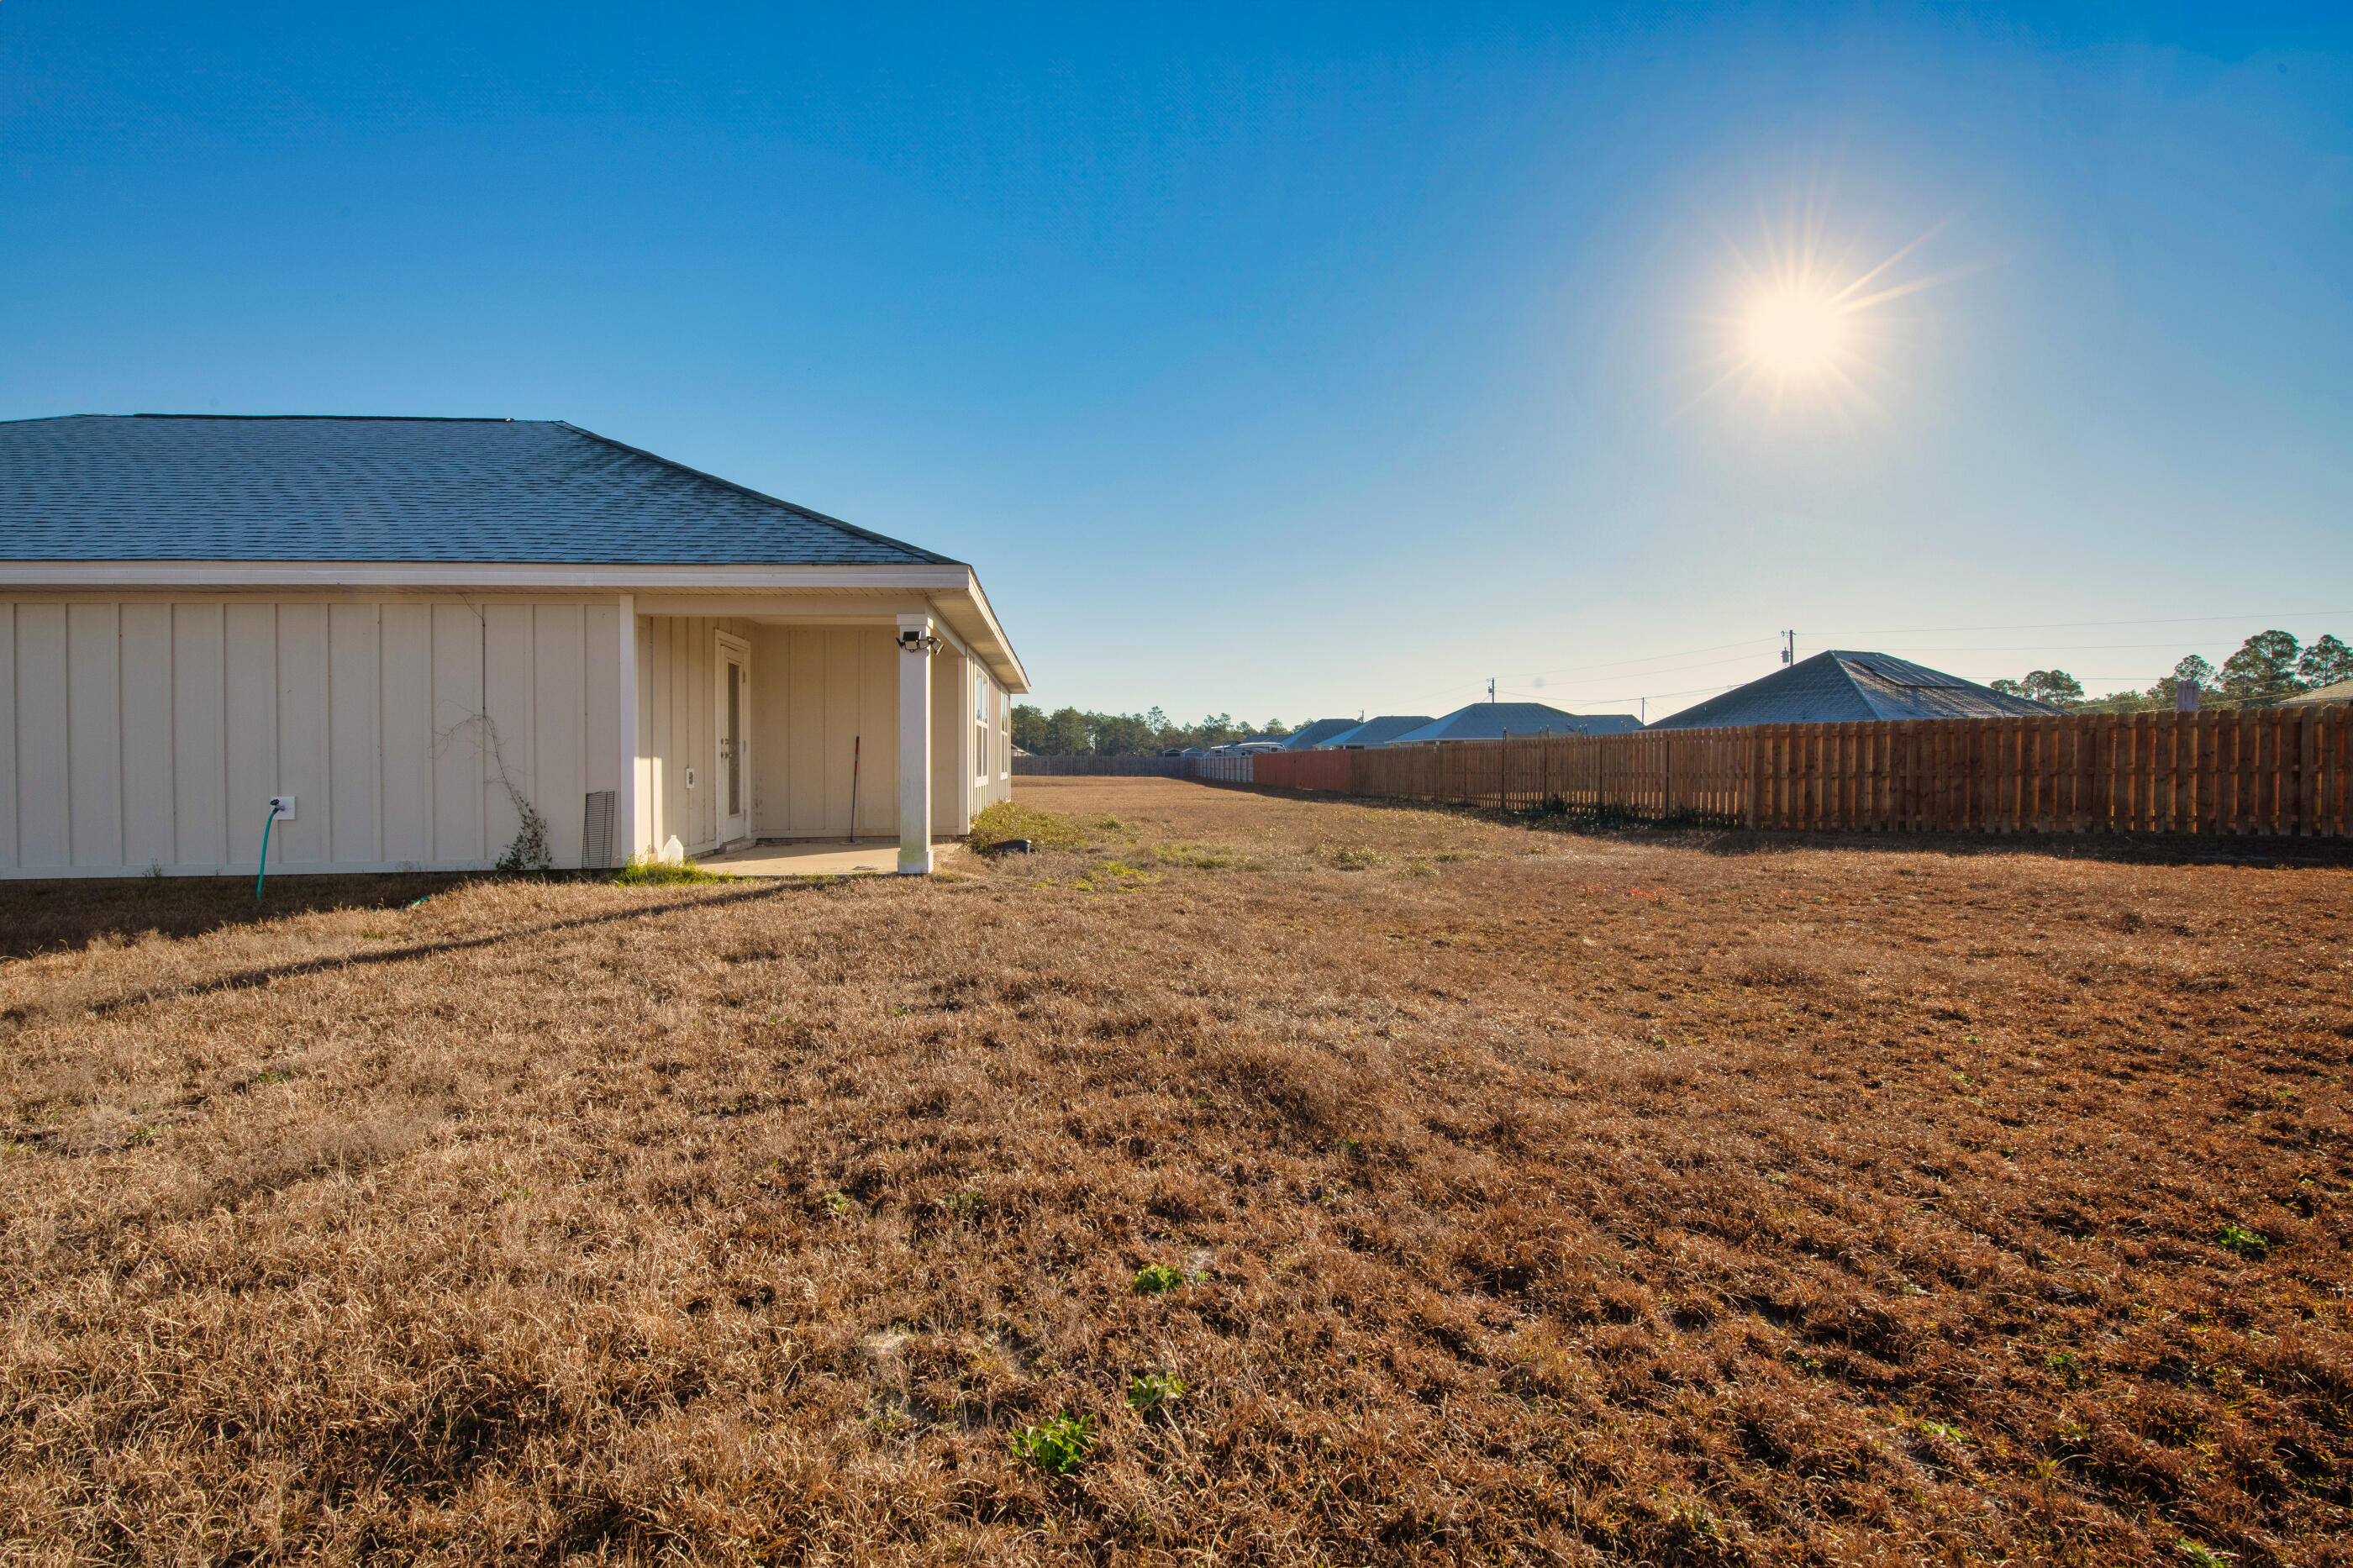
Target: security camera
x,y
914,641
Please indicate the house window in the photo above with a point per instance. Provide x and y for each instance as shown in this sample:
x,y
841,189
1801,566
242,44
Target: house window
x,y
980,727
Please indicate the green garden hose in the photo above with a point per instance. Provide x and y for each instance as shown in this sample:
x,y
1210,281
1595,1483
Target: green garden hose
x,y
264,871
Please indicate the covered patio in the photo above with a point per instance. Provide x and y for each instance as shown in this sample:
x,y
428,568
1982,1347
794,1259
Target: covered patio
x,y
839,724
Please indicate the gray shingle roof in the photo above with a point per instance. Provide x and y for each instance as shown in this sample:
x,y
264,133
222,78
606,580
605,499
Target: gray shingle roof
x,y
1487,720
1308,735
2337,691
206,487
1378,731
1844,687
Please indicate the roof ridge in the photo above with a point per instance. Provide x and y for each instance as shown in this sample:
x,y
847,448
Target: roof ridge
x,y
349,418
1838,658
868,534
367,418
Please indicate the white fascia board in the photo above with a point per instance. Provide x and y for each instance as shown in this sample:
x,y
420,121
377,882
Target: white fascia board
x,y
952,590
960,617
985,633
504,575
879,608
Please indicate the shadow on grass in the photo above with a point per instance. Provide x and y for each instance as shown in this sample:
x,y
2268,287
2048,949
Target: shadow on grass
x,y
269,975
2142,849
39,916
47,916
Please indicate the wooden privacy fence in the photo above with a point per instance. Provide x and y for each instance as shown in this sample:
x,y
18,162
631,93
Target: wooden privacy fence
x,y
1122,767
1232,768
2267,771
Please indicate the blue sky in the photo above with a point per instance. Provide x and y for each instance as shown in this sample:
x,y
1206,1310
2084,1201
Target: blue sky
x,y
1280,360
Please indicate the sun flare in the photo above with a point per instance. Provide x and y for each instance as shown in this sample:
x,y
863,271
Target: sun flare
x,y
1805,322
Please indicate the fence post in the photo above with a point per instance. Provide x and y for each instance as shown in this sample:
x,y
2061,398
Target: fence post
x,y
2308,752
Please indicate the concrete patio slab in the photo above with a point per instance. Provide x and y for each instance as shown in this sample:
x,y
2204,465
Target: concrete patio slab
x,y
825,857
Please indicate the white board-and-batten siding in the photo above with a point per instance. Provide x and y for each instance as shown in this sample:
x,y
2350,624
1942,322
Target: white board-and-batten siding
x,y
825,705
146,733
823,714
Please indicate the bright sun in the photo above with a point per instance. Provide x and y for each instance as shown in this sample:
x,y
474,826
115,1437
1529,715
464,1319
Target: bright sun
x,y
1794,330
1809,326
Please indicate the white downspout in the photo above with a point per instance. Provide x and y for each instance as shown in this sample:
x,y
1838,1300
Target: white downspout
x,y
625,809
915,644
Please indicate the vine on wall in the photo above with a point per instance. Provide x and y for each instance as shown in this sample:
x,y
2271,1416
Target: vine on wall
x,y
528,850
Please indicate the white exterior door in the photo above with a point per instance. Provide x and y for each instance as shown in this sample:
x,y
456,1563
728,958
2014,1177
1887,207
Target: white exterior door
x,y
733,772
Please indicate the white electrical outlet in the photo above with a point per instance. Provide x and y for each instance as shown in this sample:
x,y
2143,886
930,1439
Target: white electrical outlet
x,y
281,807
689,778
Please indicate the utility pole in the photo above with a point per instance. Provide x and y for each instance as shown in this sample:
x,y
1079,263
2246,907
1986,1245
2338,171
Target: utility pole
x,y
1491,688
1789,647
1645,708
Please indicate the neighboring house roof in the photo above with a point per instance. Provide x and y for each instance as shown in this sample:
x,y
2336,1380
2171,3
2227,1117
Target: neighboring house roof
x,y
1488,721
1380,730
1315,734
1842,687
2337,691
148,486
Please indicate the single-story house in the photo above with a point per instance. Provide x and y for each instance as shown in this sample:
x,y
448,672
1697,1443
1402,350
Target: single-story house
x,y
1376,732
2335,691
1841,687
1492,720
440,643
1316,734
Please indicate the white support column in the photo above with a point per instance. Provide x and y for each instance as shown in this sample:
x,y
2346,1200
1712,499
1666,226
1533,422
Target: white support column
x,y
625,825
915,642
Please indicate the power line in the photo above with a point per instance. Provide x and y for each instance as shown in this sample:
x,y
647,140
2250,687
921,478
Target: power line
x,y
1918,631
1756,644
2068,626
1679,668
2047,648
1572,695
1584,701
1647,658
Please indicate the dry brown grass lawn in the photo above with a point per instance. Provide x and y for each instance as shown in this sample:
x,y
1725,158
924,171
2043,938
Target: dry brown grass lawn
x,y
1524,1196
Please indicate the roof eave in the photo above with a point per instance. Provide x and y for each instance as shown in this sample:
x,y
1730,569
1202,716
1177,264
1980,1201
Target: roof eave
x,y
622,576
967,610
951,587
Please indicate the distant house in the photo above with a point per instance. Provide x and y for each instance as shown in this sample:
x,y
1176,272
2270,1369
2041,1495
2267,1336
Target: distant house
x,y
427,643
1840,687
1316,734
2336,691
1491,720
1377,732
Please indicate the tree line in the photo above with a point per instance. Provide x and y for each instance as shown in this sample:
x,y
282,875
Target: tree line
x,y
1073,732
2268,667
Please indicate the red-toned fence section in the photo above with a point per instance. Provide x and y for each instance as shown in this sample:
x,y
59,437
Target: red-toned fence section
x,y
1306,769
2262,770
